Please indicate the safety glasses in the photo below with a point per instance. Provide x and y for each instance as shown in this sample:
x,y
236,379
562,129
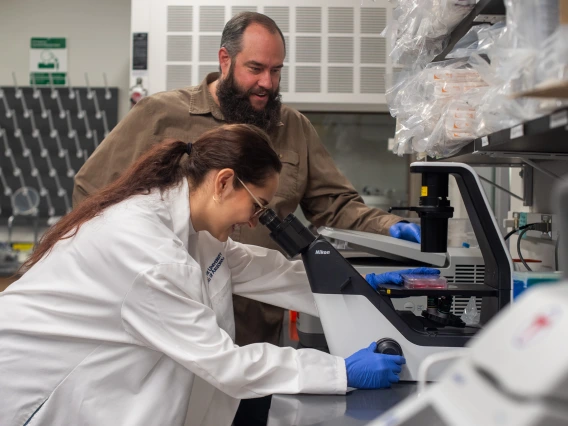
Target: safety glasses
x,y
259,208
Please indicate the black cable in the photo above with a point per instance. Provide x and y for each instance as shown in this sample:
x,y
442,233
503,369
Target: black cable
x,y
523,232
520,228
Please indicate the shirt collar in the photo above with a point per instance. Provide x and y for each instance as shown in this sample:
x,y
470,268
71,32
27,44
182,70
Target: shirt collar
x,y
176,199
202,101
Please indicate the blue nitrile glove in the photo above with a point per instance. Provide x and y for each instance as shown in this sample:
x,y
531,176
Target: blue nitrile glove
x,y
369,370
405,231
395,277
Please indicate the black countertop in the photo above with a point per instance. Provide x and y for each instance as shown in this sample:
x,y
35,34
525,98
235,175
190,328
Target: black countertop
x,y
356,408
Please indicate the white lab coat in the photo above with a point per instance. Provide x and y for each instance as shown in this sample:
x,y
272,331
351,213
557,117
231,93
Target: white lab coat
x,y
113,327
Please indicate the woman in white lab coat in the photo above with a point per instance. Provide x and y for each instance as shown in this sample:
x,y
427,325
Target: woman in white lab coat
x,y
126,306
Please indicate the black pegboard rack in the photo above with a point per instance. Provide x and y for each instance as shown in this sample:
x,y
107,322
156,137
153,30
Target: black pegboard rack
x,y
46,135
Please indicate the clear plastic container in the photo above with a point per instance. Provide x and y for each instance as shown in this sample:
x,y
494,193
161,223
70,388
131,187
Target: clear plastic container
x,y
416,281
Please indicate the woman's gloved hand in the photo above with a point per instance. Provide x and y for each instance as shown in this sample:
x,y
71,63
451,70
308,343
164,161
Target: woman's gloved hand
x,y
369,370
395,277
405,231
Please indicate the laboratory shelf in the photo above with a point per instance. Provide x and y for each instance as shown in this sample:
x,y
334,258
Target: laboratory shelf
x,y
544,138
485,11
480,290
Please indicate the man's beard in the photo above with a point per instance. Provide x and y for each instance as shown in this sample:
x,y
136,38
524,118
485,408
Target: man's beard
x,y
236,106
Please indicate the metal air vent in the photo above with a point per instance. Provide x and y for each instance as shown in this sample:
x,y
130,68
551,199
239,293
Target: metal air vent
x,y
340,80
308,79
372,80
284,80
308,19
340,50
211,18
206,69
209,48
470,274
373,20
308,49
460,303
467,274
178,76
239,9
179,48
373,50
341,20
280,15
180,18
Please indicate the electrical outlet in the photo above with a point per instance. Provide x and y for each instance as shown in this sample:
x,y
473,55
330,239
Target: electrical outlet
x,y
546,219
515,220
542,224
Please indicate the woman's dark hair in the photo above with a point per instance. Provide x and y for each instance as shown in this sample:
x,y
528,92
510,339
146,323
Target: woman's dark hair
x,y
241,147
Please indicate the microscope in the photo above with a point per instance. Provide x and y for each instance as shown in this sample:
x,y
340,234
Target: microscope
x,y
515,372
353,314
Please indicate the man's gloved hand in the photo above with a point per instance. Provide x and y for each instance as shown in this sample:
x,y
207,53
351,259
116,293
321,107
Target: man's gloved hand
x,y
369,370
395,277
405,231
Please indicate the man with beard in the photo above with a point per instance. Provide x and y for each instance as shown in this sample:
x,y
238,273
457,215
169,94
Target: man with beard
x,y
246,91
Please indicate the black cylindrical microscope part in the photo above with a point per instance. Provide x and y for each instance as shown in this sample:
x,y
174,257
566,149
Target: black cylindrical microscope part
x,y
437,184
388,346
444,306
290,234
435,210
270,219
433,235
432,305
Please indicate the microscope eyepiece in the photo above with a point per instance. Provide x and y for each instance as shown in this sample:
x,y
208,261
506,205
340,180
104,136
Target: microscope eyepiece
x,y
270,219
290,234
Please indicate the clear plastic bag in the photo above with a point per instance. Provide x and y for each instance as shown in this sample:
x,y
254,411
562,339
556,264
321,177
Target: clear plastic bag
x,y
471,315
552,60
530,23
510,72
443,106
479,39
457,125
419,98
419,30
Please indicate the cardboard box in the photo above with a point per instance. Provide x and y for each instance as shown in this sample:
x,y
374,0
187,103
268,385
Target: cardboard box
x,y
558,90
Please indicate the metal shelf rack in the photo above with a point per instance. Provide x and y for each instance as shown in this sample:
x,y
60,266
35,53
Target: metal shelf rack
x,y
544,138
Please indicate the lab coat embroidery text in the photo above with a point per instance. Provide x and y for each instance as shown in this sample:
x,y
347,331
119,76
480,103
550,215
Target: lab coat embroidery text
x,y
214,266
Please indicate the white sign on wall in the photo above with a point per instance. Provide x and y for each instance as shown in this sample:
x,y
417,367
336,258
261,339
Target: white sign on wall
x,y
48,61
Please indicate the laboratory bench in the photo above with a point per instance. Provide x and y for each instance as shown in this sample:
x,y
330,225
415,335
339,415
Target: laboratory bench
x,y
357,408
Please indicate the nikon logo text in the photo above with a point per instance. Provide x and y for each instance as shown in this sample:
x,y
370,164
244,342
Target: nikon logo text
x,y
323,252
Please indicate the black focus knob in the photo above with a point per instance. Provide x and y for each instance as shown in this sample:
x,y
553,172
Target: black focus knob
x,y
388,346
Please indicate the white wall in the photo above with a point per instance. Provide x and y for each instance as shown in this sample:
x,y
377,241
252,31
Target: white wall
x,y
98,38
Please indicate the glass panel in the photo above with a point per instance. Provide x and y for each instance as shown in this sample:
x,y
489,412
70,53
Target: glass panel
x,y
358,143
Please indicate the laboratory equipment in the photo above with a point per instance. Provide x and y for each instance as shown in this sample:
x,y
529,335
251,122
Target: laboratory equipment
x,y
516,368
352,313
